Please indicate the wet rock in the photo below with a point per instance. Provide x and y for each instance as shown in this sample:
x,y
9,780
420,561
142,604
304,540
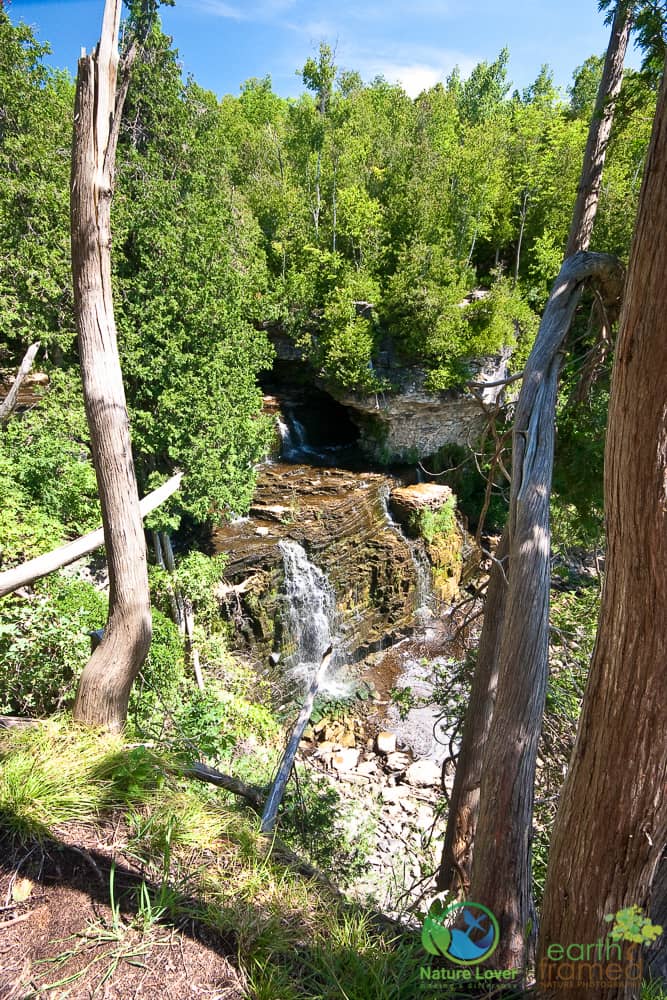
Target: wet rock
x,y
340,519
385,742
423,773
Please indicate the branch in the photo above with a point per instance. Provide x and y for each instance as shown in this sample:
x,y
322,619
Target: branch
x,y
252,794
9,403
33,569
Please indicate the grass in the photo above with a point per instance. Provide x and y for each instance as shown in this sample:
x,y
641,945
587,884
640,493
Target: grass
x,y
292,937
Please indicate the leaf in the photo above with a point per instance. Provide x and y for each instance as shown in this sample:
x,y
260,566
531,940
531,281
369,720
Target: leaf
x,y
21,890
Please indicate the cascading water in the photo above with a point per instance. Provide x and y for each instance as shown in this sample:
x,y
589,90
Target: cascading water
x,y
310,613
425,598
293,437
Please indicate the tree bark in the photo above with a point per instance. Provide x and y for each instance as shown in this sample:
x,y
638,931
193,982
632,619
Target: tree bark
x,y
588,193
501,872
8,404
611,826
656,956
12,579
457,853
105,683
456,864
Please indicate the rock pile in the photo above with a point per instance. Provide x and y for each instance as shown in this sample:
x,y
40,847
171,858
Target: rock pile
x,y
379,778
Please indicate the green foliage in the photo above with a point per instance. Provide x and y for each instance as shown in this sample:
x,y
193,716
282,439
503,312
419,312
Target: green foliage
x,y
631,924
161,681
45,643
433,524
45,455
35,148
215,721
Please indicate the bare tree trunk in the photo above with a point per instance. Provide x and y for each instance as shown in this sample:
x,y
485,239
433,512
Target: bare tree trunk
x,y
517,259
585,207
12,579
460,835
8,404
457,852
610,832
105,683
501,874
174,603
186,615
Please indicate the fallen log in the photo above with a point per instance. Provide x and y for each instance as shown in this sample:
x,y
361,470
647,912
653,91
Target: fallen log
x,y
252,794
8,405
285,769
41,566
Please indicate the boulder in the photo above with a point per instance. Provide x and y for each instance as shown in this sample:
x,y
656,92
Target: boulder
x,y
385,742
408,502
345,760
423,773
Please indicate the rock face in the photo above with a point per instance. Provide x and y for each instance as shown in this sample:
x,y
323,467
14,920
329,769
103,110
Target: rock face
x,y
410,422
340,519
416,508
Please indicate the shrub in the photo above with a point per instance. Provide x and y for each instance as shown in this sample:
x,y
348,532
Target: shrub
x,y
44,644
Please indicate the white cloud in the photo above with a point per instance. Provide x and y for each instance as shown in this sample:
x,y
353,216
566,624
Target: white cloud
x,y
413,78
416,67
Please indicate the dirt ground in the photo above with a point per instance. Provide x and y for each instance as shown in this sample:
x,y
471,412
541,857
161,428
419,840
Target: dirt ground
x,y
60,938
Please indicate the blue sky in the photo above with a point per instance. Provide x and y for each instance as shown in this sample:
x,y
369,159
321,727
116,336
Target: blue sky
x,y
223,42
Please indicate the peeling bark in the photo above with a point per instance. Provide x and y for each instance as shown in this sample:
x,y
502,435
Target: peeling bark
x,y
501,872
105,683
611,827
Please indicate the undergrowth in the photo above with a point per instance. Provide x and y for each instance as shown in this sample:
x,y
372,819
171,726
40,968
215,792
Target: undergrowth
x,y
203,859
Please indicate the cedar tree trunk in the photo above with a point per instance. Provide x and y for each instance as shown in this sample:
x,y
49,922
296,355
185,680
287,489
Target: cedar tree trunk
x,y
104,688
611,826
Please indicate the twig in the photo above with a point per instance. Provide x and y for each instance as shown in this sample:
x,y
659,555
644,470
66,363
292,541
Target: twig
x,y
15,920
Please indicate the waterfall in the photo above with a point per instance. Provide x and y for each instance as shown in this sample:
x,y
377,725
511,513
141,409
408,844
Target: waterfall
x,y
293,437
424,598
311,612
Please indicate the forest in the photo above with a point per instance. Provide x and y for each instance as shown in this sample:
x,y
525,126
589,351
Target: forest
x,y
333,526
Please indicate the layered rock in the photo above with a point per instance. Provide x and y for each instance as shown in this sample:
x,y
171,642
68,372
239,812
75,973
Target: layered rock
x,y
411,422
427,511
340,519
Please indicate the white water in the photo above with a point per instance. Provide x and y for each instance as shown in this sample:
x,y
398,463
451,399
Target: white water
x,y
310,617
293,437
425,597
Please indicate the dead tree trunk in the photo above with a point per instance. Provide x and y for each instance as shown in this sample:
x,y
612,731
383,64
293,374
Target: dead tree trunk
x,y
501,873
105,683
588,193
611,827
35,569
463,814
457,852
8,404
